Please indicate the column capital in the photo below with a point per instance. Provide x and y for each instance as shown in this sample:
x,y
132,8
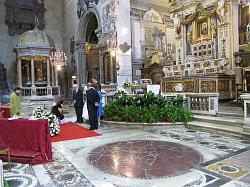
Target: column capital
x,y
80,45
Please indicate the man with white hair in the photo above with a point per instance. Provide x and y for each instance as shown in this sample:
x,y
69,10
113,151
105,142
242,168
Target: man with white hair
x,y
78,103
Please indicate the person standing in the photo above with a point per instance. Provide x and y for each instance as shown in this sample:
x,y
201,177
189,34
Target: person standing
x,y
92,106
100,108
15,102
78,103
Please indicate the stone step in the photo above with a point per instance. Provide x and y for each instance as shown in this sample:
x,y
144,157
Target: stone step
x,y
223,121
239,114
218,128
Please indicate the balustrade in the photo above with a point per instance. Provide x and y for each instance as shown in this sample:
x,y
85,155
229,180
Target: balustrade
x,y
206,103
39,91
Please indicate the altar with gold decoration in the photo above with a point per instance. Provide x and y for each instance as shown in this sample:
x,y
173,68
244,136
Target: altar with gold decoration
x,y
206,43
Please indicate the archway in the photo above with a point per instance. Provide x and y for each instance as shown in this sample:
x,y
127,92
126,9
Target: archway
x,y
88,54
91,51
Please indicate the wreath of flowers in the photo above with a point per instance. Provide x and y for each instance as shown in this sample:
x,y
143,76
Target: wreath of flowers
x,y
53,121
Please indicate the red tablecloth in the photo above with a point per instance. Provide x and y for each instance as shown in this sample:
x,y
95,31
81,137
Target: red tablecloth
x,y
6,111
29,140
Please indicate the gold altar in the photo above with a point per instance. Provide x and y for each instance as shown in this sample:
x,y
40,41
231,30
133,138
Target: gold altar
x,y
217,83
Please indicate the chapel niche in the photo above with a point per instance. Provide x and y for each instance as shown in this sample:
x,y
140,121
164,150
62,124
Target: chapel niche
x,y
20,15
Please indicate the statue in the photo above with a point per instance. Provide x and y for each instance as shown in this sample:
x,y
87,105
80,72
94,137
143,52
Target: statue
x,y
155,59
213,31
204,29
221,10
177,23
189,42
39,75
158,35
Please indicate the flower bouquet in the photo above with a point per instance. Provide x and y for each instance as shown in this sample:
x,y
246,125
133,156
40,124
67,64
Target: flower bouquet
x,y
54,126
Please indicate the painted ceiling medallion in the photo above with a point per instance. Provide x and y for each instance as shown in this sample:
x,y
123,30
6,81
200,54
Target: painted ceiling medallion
x,y
124,47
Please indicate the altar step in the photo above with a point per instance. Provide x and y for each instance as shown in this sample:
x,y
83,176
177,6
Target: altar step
x,y
228,124
235,114
27,107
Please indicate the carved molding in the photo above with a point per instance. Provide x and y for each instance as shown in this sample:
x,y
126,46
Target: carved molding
x,y
124,47
20,15
83,5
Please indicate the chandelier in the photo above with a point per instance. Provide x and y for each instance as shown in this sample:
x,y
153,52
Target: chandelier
x,y
58,59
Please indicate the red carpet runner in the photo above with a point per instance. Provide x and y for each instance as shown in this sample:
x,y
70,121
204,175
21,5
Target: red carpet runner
x,y
70,131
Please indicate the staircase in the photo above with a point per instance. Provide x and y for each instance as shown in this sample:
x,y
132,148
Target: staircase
x,y
226,122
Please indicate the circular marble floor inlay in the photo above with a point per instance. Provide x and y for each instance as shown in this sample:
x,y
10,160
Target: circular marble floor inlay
x,y
144,158
229,169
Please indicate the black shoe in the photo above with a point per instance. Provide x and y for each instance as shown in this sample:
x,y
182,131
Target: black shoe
x,y
91,129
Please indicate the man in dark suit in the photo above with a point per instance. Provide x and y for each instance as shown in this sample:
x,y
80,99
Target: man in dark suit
x,y
78,102
92,105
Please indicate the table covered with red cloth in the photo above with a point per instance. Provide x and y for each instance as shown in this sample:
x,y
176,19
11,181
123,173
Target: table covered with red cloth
x,y
5,110
29,140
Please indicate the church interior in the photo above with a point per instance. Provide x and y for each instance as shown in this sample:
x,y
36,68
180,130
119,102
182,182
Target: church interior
x,y
173,78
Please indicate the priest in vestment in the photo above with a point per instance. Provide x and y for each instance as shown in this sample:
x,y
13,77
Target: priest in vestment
x,y
15,102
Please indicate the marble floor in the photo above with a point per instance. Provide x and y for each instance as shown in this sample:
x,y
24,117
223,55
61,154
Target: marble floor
x,y
150,157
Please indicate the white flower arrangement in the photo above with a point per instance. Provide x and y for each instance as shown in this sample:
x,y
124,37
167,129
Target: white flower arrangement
x,y
54,126
127,83
121,91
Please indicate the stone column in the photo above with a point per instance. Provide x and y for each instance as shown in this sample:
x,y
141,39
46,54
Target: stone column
x,y
81,63
32,73
33,86
49,88
19,72
53,75
101,66
56,77
124,24
111,69
48,74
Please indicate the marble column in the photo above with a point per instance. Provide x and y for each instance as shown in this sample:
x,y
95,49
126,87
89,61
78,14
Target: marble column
x,y
49,88
32,73
48,73
124,24
101,66
33,86
56,77
81,63
19,72
111,69
53,75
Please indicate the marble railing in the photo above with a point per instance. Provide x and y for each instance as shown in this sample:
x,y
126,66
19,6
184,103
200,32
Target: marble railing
x,y
109,87
40,91
203,103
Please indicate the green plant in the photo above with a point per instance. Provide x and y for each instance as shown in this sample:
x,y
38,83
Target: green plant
x,y
130,113
186,116
5,183
148,108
